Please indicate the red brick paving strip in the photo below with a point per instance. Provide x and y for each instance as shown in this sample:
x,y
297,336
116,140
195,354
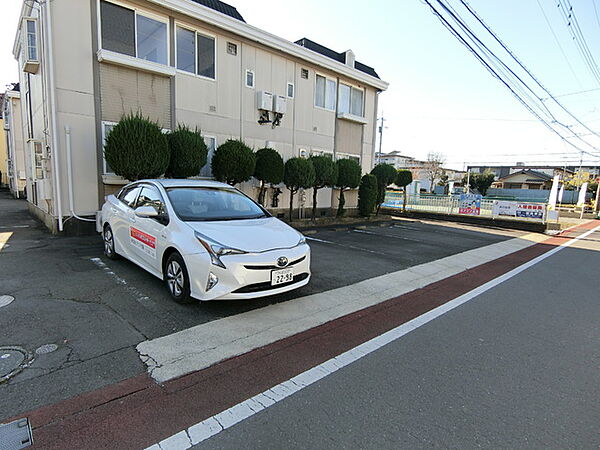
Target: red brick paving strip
x,y
137,412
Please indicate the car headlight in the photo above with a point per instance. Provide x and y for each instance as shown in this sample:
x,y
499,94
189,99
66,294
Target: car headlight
x,y
216,250
302,240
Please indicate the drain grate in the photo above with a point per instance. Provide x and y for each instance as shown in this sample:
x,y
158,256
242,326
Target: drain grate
x,y
46,348
12,361
15,435
6,300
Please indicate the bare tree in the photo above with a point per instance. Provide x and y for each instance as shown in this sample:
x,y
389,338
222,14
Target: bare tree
x,y
433,167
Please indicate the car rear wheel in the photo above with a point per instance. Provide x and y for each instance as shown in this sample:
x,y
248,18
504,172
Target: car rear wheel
x,y
109,243
177,279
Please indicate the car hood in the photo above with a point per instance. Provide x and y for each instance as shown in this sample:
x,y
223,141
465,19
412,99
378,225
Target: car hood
x,y
251,235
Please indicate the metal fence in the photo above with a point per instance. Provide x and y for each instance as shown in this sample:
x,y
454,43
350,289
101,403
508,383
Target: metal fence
x,y
451,205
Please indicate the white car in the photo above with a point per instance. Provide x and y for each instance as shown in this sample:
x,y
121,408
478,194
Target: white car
x,y
205,239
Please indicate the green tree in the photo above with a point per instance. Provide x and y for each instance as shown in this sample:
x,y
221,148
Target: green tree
x,y
233,162
386,175
188,152
480,182
325,176
368,192
269,169
299,174
348,178
403,179
136,148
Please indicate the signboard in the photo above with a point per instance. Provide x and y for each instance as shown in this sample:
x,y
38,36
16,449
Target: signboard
x,y
502,208
530,211
516,209
470,204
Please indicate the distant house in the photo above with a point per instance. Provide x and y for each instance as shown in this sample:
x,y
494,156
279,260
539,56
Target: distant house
x,y
524,179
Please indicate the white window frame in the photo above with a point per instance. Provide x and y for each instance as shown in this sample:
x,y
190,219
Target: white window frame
x,y
287,90
136,11
253,79
324,108
204,137
352,86
321,152
205,34
104,165
342,155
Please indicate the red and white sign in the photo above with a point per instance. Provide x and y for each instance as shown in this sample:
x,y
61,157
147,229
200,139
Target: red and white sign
x,y
144,241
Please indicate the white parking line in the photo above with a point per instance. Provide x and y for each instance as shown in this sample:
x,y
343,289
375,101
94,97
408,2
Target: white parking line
x,y
134,291
353,247
219,422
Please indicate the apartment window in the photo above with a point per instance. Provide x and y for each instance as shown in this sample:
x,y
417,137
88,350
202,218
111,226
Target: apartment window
x,y
38,158
195,53
31,30
351,100
325,93
232,48
304,73
130,33
107,127
347,156
186,50
211,144
206,55
290,90
249,78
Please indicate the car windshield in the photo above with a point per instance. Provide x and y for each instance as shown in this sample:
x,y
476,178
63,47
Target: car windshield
x,y
205,203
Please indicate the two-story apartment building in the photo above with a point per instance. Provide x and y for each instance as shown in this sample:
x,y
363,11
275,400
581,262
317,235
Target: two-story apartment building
x,y
86,63
13,160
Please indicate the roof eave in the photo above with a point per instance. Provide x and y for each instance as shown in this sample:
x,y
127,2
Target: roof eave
x,y
230,24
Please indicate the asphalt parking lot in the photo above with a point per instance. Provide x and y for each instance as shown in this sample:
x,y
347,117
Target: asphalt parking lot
x,y
96,310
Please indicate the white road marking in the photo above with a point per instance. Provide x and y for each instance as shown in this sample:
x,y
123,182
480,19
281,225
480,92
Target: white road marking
x,y
353,247
392,236
226,419
14,226
198,347
134,291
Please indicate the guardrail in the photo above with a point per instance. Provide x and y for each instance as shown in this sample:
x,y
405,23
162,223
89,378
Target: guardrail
x,y
452,205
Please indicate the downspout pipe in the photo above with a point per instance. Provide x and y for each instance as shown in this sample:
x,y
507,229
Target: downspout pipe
x,y
52,101
70,176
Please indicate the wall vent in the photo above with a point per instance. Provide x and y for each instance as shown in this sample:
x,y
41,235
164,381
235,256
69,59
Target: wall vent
x,y
232,48
304,73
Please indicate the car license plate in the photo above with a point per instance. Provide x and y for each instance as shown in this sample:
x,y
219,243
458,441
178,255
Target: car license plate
x,y
282,276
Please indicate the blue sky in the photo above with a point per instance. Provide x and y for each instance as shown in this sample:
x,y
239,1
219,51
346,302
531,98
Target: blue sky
x,y
440,98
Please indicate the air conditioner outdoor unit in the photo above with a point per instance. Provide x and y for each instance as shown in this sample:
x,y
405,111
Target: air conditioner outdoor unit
x,y
279,104
264,100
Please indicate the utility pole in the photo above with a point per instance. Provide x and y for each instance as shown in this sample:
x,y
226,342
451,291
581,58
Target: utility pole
x,y
382,119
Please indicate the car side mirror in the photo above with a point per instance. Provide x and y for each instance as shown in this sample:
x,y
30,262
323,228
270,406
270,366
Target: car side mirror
x,y
146,212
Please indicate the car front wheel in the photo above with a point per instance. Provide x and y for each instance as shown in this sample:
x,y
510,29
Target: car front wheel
x,y
109,243
177,279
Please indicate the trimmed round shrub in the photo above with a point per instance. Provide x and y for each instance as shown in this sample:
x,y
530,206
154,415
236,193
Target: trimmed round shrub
x,y
349,172
325,176
233,162
367,194
386,174
403,179
269,169
136,149
299,174
188,153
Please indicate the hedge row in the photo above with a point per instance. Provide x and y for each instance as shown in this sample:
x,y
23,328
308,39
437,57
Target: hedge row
x,y
137,149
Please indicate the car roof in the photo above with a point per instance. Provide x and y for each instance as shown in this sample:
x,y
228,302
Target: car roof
x,y
172,182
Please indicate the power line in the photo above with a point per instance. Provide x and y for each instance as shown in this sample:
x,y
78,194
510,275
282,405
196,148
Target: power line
x,y
487,58
566,9
531,75
558,43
